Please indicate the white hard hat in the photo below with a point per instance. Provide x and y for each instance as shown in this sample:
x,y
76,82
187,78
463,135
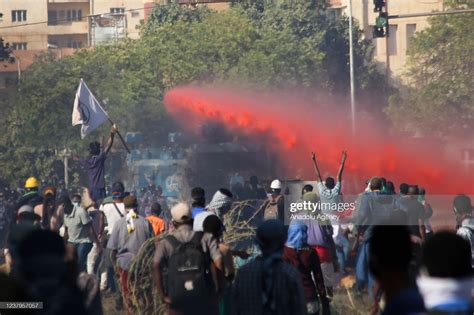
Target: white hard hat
x,y
276,184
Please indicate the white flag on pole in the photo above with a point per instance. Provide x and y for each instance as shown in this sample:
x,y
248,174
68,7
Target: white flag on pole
x,y
87,111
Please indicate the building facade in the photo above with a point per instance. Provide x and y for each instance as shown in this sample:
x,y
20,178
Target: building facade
x,y
391,52
42,24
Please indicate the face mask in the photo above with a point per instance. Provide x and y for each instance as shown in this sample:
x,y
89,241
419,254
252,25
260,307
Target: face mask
x,y
76,204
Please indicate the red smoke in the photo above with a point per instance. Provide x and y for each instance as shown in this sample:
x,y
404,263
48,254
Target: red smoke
x,y
292,126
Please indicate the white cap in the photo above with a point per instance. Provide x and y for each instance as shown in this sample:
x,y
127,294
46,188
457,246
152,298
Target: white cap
x,y
26,208
276,184
181,213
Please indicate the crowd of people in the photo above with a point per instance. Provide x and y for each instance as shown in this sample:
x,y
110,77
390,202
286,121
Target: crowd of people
x,y
69,251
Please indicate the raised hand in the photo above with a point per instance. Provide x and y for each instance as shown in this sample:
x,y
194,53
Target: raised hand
x,y
344,155
114,129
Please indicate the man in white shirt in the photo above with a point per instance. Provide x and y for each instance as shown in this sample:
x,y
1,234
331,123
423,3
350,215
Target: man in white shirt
x,y
219,205
113,212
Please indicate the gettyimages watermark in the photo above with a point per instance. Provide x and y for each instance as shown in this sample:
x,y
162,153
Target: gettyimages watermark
x,y
434,210
320,211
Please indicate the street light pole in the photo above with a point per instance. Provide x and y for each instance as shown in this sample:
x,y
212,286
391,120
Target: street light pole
x,y
18,66
351,66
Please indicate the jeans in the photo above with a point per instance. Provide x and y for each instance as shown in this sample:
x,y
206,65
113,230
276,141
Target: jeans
x,y
82,250
363,275
93,261
342,252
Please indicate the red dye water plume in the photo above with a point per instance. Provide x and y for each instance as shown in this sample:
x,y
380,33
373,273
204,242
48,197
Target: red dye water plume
x,y
292,126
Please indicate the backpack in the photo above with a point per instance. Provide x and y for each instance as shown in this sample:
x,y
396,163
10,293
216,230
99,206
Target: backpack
x,y
189,279
271,209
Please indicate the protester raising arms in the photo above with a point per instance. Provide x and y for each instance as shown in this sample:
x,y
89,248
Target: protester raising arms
x,y
329,189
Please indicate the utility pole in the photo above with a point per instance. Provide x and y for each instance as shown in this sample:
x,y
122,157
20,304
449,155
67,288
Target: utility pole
x,y
351,66
18,66
65,155
387,47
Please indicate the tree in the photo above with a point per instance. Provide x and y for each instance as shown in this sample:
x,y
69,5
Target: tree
x,y
440,70
311,49
289,44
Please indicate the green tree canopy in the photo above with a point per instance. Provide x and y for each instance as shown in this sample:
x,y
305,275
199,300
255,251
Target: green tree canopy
x,y
288,44
441,70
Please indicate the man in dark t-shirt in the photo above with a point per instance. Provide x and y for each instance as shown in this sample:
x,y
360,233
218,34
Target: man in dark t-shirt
x,y
94,164
414,210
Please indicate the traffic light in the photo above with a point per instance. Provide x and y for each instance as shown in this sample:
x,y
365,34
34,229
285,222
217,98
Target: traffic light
x,y
381,25
381,21
379,5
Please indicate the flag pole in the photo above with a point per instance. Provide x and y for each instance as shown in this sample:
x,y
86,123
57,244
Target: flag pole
x,y
120,136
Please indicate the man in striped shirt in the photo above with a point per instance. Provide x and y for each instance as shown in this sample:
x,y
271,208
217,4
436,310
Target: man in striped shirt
x,y
329,192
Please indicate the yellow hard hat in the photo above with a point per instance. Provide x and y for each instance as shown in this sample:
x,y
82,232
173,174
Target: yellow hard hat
x,y
31,182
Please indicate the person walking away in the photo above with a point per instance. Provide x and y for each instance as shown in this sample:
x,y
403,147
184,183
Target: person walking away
x,y
184,267
161,200
56,221
274,207
306,261
129,233
390,253
157,223
374,208
97,218
465,223
321,241
214,226
44,272
220,203
415,212
446,280
389,188
254,191
268,284
95,166
49,206
305,189
27,221
113,212
62,190
343,246
31,196
198,195
428,213
79,231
